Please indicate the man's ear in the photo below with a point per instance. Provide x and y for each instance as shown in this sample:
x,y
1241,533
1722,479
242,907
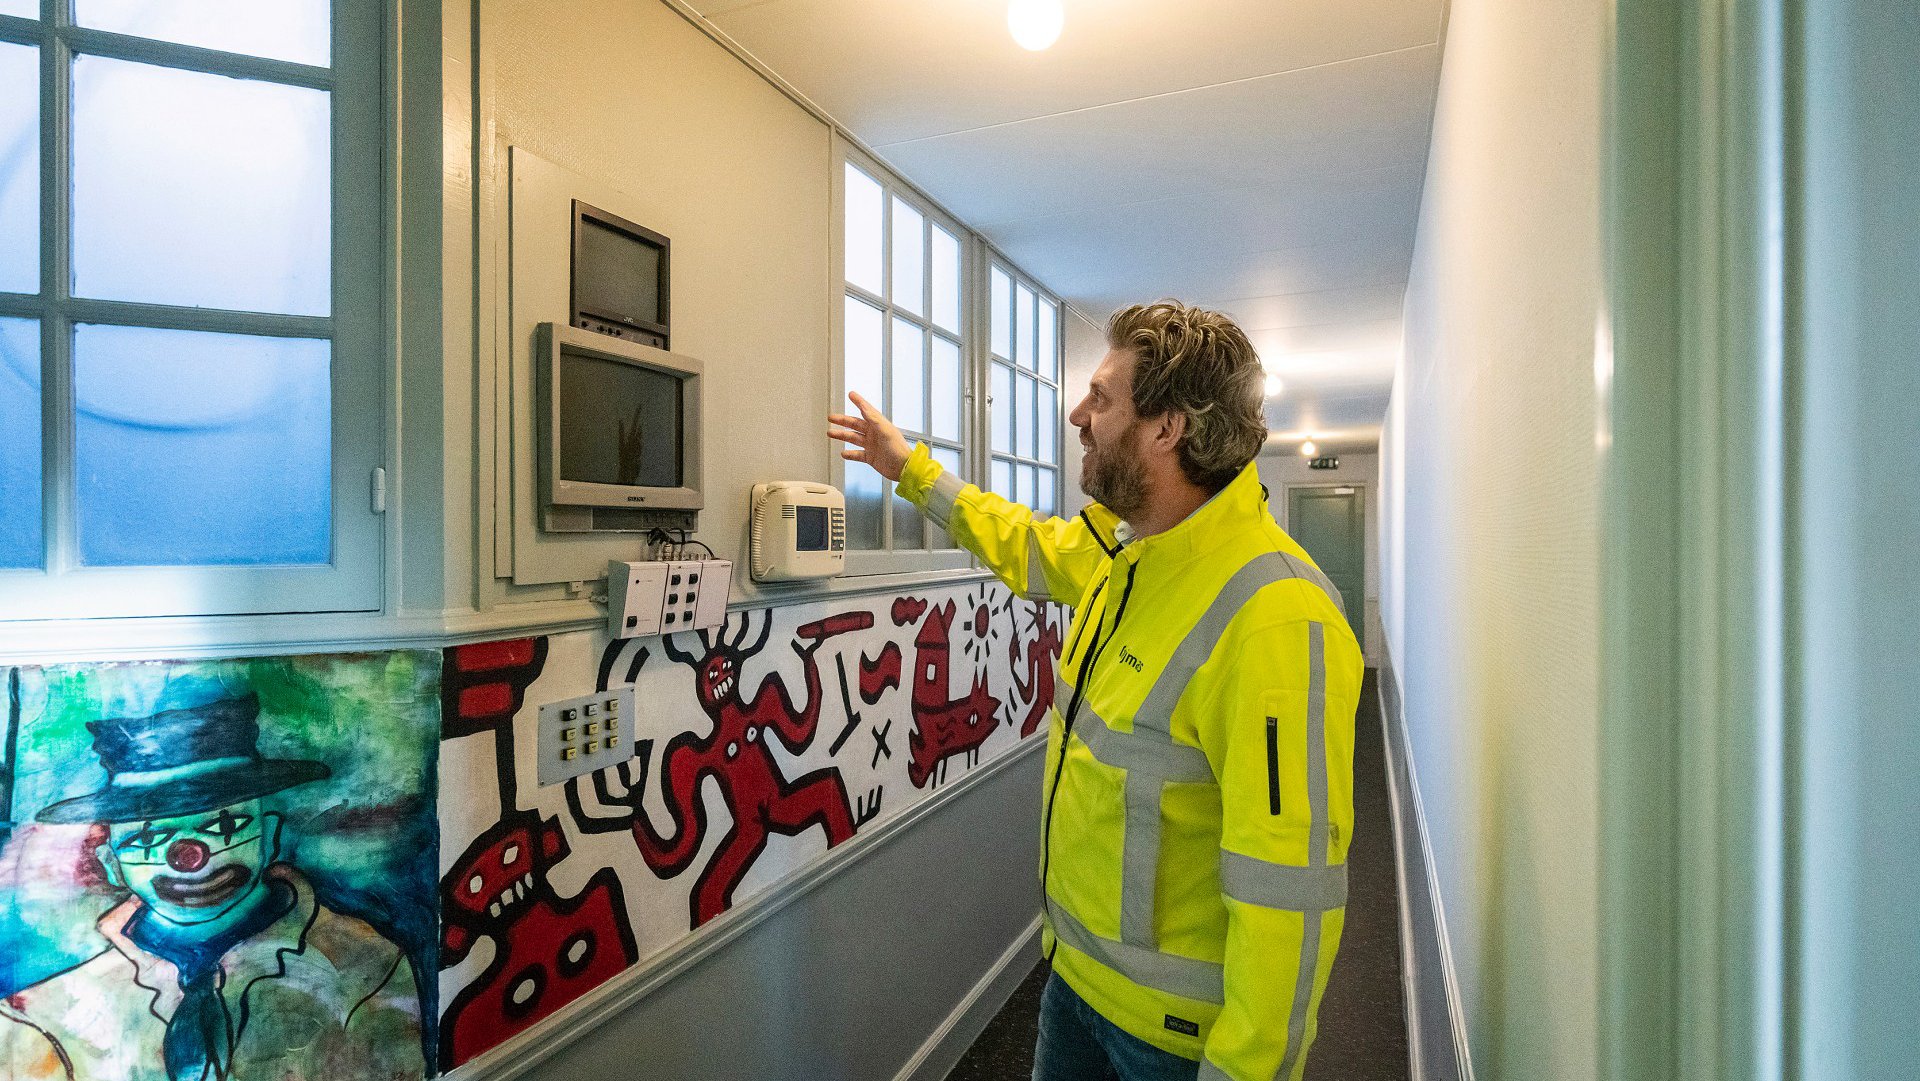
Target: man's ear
x,y
1171,428
110,865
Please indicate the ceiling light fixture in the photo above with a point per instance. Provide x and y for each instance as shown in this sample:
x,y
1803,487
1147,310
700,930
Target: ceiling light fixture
x,y
1035,24
1308,450
1274,385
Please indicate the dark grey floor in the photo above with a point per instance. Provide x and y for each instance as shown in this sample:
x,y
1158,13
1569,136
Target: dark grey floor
x,y
1363,1032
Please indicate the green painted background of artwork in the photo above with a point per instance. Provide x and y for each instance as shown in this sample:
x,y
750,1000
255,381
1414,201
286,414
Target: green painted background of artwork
x,y
367,836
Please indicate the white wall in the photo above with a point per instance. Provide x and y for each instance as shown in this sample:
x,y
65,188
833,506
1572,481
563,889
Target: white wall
x,y
738,176
1280,470
1492,474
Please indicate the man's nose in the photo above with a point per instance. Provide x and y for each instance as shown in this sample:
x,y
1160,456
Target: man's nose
x,y
188,856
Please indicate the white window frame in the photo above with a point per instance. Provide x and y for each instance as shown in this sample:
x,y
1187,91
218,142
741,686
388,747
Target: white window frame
x,y
352,580
992,259
888,559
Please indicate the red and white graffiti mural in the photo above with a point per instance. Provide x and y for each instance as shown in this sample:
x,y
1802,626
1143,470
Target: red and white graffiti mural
x,y
548,892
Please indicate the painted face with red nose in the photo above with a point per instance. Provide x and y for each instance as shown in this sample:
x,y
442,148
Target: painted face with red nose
x,y
192,869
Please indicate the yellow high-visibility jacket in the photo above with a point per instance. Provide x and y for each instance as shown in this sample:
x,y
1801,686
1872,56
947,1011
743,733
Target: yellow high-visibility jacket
x,y
1199,799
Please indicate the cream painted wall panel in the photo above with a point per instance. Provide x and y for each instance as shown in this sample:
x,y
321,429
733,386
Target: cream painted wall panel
x,y
1494,473
736,175
1085,339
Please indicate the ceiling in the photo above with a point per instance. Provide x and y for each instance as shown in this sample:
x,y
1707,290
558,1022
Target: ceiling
x,y
1263,157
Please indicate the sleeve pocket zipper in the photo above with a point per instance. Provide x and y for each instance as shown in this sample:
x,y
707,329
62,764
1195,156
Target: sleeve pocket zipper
x,y
1273,765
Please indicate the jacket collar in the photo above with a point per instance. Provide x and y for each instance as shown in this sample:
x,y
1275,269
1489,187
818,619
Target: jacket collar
x,y
258,955
1231,508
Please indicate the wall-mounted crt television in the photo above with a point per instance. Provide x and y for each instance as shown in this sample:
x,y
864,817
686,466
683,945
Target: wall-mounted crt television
x,y
619,434
619,278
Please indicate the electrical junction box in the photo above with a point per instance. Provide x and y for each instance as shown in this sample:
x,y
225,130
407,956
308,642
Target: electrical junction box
x,y
579,735
661,597
635,593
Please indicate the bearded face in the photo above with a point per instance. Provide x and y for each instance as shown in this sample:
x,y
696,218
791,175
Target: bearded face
x,y
1111,472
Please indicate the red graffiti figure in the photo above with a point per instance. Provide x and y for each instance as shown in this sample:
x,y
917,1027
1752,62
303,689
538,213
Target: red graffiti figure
x,y
548,950
735,754
1043,652
943,726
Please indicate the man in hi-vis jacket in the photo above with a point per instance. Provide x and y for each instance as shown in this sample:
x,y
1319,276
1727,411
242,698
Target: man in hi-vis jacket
x,y
1199,784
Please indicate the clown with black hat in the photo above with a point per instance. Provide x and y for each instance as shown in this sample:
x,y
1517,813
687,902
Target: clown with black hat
x,y
221,964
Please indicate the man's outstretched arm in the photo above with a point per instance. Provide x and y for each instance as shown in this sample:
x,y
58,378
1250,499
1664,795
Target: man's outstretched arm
x,y
1038,558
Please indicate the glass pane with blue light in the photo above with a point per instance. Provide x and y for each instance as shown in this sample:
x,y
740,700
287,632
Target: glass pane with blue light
x,y
200,448
20,518
200,190
19,168
295,30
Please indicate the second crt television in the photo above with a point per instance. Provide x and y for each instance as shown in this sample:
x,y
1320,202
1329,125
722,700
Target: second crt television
x,y
619,434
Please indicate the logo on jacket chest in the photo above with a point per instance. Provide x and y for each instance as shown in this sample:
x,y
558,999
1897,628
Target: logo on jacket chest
x,y
1128,658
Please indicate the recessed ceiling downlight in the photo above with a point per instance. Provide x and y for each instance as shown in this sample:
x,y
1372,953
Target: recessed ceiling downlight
x,y
1035,24
1308,449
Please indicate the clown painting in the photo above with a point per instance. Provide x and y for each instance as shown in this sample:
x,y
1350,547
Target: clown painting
x,y
221,886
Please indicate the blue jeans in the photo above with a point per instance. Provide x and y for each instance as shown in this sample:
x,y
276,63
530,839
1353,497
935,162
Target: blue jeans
x,y
1077,1044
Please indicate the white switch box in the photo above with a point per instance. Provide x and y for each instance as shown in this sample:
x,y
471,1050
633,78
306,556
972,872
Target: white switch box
x,y
635,592
716,577
580,735
684,586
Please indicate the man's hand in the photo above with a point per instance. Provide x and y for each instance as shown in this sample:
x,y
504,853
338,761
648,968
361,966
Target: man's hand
x,y
870,438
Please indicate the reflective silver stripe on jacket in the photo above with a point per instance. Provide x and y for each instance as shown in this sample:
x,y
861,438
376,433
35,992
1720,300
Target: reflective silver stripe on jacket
x,y
1036,570
1202,981
1140,851
1317,829
1279,885
942,496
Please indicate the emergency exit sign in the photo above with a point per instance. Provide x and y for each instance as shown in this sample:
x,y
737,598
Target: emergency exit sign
x,y
1328,462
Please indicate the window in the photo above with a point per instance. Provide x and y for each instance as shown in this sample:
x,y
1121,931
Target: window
x,y
190,345
1024,391
904,340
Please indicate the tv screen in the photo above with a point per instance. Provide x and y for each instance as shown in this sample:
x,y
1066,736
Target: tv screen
x,y
616,275
619,423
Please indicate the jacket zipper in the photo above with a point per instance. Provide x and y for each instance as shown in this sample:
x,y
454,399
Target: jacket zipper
x,y
1273,765
1087,660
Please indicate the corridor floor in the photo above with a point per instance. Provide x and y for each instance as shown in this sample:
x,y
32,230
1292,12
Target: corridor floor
x,y
1363,1034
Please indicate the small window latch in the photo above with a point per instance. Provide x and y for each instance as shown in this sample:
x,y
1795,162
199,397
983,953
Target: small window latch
x,y
377,490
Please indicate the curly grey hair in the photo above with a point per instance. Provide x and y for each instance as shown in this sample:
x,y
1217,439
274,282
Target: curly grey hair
x,y
1201,364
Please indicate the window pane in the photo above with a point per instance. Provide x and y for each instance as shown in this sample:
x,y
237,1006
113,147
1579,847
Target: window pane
x,y
946,389
950,458
20,533
193,447
1003,478
1029,493
1002,315
1044,503
1023,326
1023,398
1002,408
946,279
20,168
909,528
1049,424
865,324
1049,344
909,258
866,501
293,30
865,256
200,190
909,406
26,9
